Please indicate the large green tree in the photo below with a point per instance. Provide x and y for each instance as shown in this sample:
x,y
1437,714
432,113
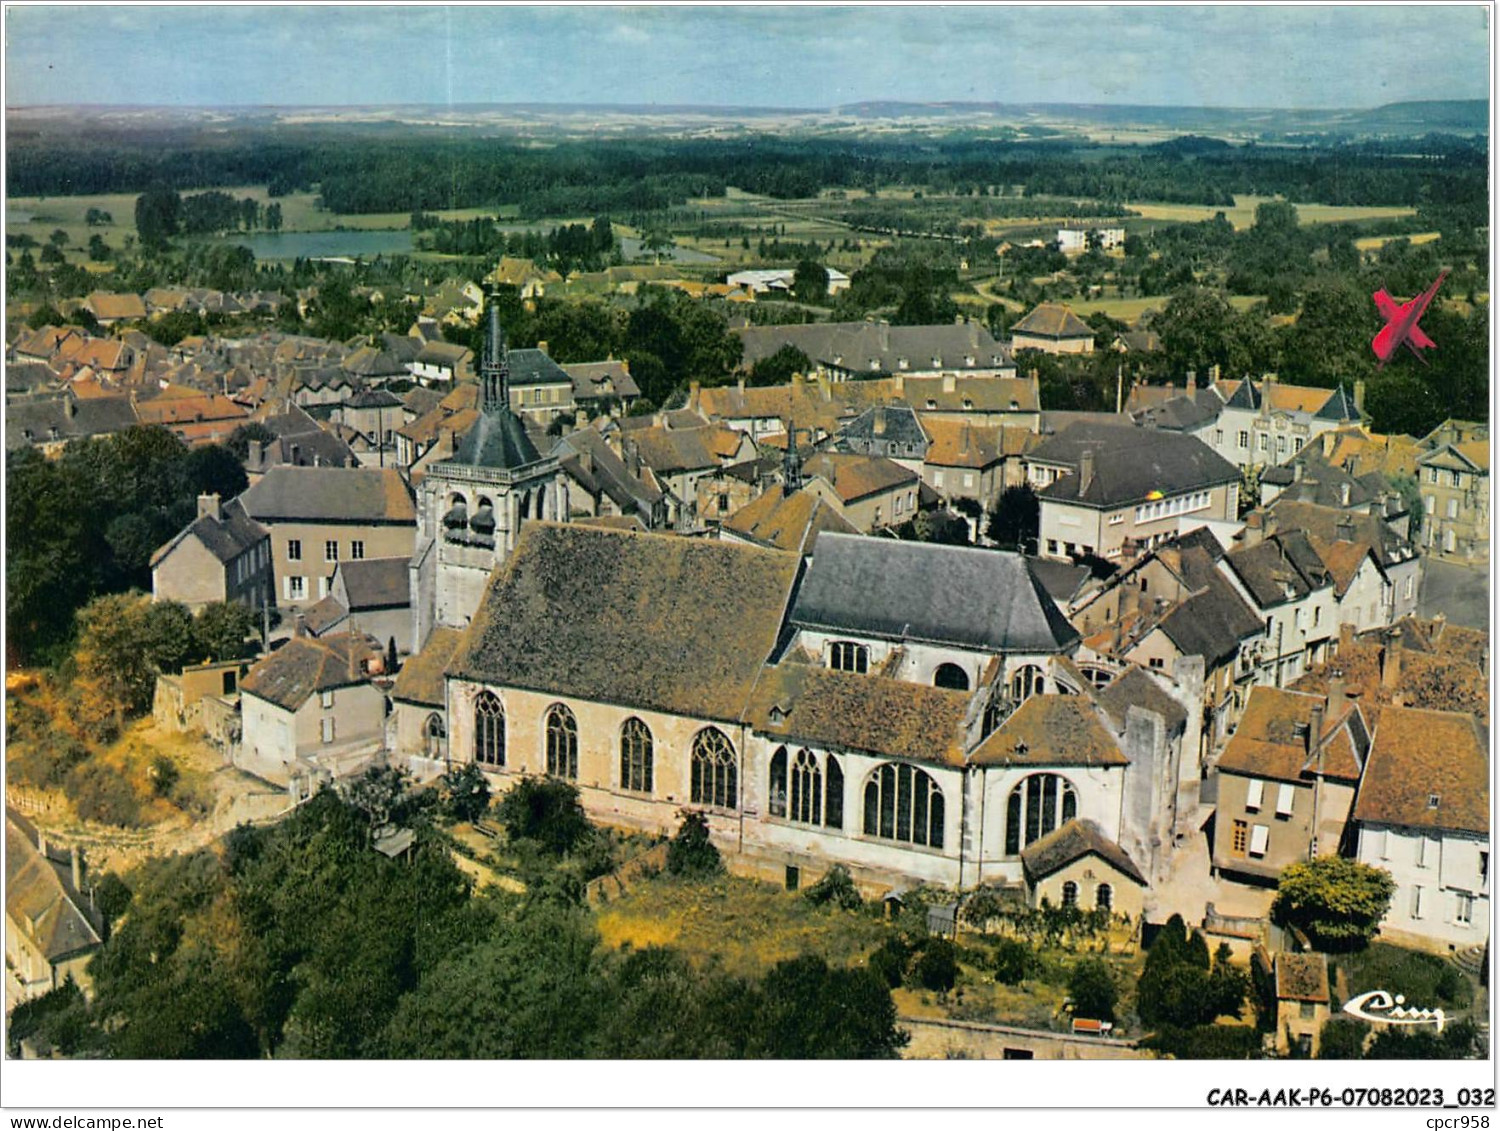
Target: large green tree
x,y
1338,902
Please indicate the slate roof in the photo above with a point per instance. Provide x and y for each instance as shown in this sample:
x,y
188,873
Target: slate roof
x,y
1182,413
444,355
886,717
499,440
876,347
983,599
1322,404
532,367
854,477
897,424
1135,688
1284,567
639,620
1052,320
225,540
1073,841
373,398
591,377
787,521
35,895
1130,463
33,421
1418,754
304,666
594,465
1330,524
421,677
1302,977
1211,622
331,494
377,583
1063,580
324,616
1051,730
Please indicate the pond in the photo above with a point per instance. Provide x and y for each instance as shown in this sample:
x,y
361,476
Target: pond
x,y
317,245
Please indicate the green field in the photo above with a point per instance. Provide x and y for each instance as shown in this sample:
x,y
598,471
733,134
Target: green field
x,y
1129,309
1242,215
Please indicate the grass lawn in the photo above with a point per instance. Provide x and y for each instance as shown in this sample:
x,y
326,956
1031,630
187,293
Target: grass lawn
x,y
745,925
1242,215
1425,979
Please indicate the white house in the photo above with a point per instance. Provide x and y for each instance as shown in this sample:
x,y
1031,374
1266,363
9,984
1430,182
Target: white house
x,y
1424,816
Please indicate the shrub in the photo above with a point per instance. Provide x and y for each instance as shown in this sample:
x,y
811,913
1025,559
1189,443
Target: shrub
x,y
546,811
101,793
1338,902
937,966
890,960
1342,1038
467,793
164,774
1459,1041
1092,988
1014,962
1206,1042
691,852
836,887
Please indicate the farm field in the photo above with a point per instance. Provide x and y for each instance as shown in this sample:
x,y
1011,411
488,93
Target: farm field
x,y
1373,243
1129,309
1242,215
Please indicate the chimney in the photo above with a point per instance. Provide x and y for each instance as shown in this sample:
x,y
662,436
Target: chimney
x,y
1297,469
41,843
950,383
299,625
695,391
1085,471
1327,441
1336,693
900,382
880,420
1192,381
1359,397
1213,374
740,385
210,507
1343,494
1390,661
542,345
1314,727
76,859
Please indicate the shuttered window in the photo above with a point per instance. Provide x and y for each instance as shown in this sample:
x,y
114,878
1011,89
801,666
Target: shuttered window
x,y
1260,837
1254,793
1284,797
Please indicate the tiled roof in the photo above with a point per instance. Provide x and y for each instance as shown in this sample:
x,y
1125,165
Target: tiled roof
x,y
787,522
1052,320
670,450
347,494
421,678
1343,560
37,902
956,443
640,620
855,477
191,409
1135,688
1073,841
1434,681
1272,739
1130,464
1182,413
113,307
32,422
225,539
594,465
377,583
1302,977
1424,756
304,666
1331,524
973,598
1051,730
885,717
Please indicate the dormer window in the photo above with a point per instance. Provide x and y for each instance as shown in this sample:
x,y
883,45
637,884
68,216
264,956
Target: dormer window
x,y
937,362
1015,406
1432,800
968,403
931,403
969,360
902,363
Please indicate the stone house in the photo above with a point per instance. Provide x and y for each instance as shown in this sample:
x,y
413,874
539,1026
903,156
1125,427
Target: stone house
x,y
1302,1002
1423,815
1291,590
321,516
222,555
442,363
50,933
371,595
870,492
1052,328
1266,424
1076,865
309,711
419,705
1454,477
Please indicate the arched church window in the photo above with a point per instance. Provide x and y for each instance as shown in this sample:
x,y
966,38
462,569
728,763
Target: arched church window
x,y
1038,804
1026,682
1104,898
777,793
436,735
1069,894
489,730
636,749
562,742
483,522
903,803
715,775
807,789
951,676
848,656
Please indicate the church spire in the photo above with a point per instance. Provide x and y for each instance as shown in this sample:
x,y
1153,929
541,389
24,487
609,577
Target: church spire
x,y
791,466
494,369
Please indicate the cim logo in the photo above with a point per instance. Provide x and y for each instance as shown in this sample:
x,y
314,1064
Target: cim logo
x,y
1379,1006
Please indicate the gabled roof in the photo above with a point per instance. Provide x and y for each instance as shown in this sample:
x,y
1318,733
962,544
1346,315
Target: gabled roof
x,y
670,450
532,367
982,599
331,494
421,678
1284,567
876,347
1073,841
38,903
956,443
593,464
1211,622
895,424
888,718
225,539
33,421
1331,524
1421,757
1274,740
304,666
854,477
1052,320
377,583
1302,977
787,521
1339,406
1182,413
1051,730
639,620
594,379
1131,464
108,306
1135,688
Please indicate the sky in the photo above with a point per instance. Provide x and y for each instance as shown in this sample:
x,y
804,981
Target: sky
x,y
758,55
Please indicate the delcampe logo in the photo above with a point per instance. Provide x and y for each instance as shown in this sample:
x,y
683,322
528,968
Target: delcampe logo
x,y
1379,1006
